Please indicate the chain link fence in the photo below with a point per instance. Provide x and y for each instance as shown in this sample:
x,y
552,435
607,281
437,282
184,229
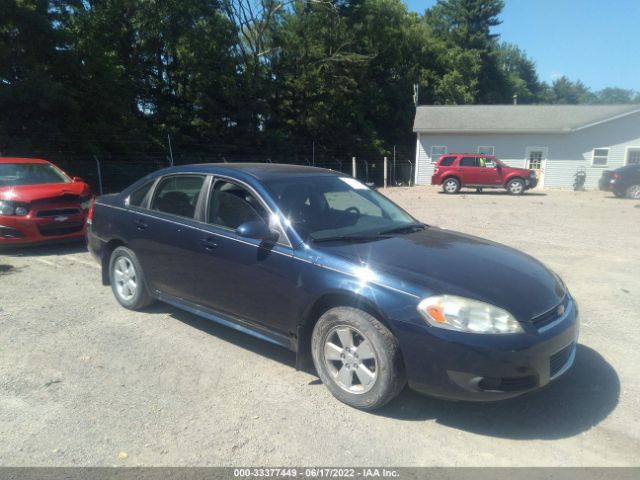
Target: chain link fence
x,y
109,174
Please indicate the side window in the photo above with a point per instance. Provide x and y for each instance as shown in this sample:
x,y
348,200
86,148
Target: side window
x,y
446,161
137,197
231,205
468,162
178,195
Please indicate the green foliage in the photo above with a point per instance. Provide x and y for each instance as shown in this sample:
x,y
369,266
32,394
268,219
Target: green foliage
x,y
273,77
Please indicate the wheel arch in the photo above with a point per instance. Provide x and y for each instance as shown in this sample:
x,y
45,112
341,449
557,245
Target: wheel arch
x,y
452,175
109,247
515,176
317,309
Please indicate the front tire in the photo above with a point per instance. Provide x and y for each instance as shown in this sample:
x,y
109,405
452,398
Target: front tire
x,y
516,186
451,186
357,358
127,279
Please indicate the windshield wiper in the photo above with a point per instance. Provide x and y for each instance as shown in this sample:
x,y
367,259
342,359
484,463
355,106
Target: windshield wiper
x,y
410,228
350,238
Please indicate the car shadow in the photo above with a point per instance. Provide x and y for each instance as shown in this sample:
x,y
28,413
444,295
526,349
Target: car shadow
x,y
494,192
572,404
66,247
237,338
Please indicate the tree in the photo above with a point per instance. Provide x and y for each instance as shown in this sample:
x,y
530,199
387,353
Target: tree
x,y
466,27
520,71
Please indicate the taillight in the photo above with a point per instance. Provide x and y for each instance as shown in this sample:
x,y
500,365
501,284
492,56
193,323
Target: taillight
x,y
90,212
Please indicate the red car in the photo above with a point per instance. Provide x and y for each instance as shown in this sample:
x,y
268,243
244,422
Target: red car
x,y
457,170
39,202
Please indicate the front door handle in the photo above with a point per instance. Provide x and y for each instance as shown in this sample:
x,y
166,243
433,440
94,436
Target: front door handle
x,y
209,244
140,225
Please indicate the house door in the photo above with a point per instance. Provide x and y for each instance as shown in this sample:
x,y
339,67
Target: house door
x,y
536,160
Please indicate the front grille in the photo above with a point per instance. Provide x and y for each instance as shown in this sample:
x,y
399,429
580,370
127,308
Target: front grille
x,y
54,212
509,384
551,315
558,360
52,229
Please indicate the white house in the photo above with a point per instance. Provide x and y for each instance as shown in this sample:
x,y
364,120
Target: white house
x,y
555,140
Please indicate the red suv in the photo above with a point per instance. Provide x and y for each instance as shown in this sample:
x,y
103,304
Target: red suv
x,y
456,170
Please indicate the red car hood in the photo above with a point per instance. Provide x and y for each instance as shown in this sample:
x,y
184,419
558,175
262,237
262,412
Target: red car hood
x,y
30,193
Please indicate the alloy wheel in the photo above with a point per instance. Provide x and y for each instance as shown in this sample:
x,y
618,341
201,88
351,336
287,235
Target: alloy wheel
x,y
451,186
350,359
126,278
515,187
634,192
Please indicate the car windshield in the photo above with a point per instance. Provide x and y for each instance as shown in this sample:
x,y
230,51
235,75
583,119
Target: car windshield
x,y
325,208
14,174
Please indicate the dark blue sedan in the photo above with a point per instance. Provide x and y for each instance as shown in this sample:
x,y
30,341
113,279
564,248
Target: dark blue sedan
x,y
317,262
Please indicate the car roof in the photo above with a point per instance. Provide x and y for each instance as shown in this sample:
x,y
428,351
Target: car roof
x,y
259,171
466,155
22,160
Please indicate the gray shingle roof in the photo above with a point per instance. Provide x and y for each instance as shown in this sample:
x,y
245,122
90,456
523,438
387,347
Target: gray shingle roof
x,y
515,118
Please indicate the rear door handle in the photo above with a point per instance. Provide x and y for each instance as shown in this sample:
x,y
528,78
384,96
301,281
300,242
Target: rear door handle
x,y
209,244
140,225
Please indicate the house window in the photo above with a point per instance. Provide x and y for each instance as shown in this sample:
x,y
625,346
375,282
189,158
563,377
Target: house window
x,y
436,152
633,156
600,157
487,150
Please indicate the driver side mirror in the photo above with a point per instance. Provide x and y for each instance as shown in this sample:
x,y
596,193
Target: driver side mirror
x,y
77,179
257,230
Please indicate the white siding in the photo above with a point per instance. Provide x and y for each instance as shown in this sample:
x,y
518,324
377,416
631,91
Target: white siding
x,y
566,152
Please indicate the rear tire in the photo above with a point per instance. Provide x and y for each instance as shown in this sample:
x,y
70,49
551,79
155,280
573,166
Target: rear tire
x,y
357,358
451,185
634,192
127,280
516,186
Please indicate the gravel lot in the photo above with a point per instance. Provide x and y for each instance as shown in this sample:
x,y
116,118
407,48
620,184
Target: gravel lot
x,y
86,382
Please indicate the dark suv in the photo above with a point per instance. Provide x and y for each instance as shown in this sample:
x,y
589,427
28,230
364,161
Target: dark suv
x,y
457,170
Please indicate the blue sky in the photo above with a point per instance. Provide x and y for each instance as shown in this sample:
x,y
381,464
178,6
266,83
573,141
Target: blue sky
x,y
596,41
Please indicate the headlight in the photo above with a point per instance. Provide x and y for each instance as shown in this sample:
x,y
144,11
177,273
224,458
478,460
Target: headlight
x,y
6,208
10,208
465,315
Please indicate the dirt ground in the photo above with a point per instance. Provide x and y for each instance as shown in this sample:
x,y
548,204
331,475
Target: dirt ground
x,y
86,382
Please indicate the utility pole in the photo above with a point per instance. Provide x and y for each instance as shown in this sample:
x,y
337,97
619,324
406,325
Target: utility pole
x,y
170,150
99,174
353,167
313,153
394,165
384,176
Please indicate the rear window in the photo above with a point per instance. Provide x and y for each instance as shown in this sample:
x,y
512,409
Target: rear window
x,y
178,195
446,161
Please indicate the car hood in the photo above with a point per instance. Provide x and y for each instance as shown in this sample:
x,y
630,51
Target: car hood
x,y
31,193
439,261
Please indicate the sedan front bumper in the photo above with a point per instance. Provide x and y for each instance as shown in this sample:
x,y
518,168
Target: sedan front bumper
x,y
464,366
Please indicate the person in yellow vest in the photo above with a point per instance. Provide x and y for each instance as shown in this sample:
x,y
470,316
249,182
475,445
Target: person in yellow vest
x,y
483,163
